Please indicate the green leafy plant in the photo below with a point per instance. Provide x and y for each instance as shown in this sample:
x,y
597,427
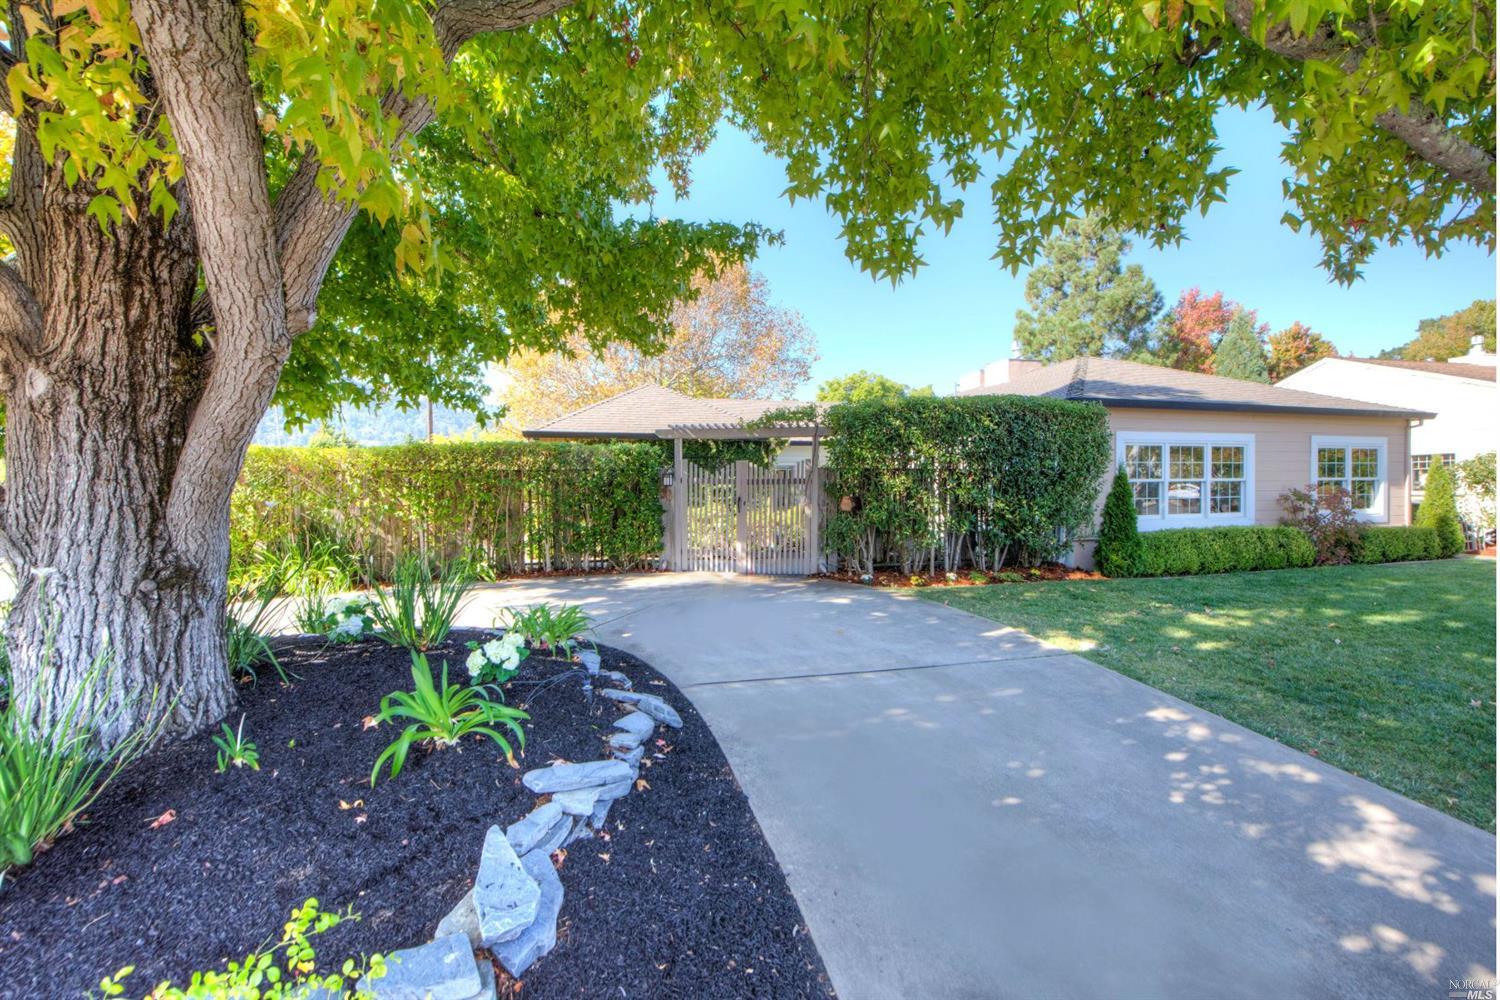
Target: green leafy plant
x,y
51,773
235,749
1189,551
417,610
495,661
975,576
553,629
301,566
1392,543
338,619
247,639
281,971
1439,511
1119,549
442,715
1478,477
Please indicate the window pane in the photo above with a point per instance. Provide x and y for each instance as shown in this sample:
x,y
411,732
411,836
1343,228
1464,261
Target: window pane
x,y
1326,487
1184,497
1229,462
1187,461
1364,463
1147,498
1331,463
1143,461
1225,497
1362,494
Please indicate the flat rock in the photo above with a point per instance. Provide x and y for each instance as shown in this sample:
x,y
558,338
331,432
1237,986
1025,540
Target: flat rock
x,y
486,981
556,836
540,938
566,777
600,814
632,757
462,919
638,723
528,831
625,741
505,897
579,801
615,677
581,829
590,660
648,703
442,970
611,792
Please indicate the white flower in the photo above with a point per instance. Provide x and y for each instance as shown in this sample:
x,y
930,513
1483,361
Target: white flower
x,y
494,651
475,663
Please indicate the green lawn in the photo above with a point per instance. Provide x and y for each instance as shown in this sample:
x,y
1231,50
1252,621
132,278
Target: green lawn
x,y
1385,671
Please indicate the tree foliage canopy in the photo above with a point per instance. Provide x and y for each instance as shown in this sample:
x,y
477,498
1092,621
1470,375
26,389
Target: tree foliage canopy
x,y
1241,352
1450,335
866,387
729,340
1293,349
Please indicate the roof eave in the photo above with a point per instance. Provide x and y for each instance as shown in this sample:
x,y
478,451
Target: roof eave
x,y
1192,404
542,433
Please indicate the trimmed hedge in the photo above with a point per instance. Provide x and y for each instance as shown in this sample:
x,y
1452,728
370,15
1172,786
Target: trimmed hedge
x,y
1396,544
941,483
1188,551
512,506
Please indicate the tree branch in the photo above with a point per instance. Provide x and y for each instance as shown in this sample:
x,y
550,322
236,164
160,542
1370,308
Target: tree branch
x,y
309,226
197,53
1418,126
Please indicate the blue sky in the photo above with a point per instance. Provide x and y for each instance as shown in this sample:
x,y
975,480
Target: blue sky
x,y
956,314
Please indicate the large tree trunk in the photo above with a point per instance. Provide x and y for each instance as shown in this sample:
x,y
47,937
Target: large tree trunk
x,y
95,428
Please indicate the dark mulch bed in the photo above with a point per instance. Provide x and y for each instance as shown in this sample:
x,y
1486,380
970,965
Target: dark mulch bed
x,y
679,897
965,577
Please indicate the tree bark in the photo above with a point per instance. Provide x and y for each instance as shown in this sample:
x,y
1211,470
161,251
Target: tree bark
x,y
95,422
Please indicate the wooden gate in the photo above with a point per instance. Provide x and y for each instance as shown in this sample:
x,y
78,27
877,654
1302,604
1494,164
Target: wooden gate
x,y
746,519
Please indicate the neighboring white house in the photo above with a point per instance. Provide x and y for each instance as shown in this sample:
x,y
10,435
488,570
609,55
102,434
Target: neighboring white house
x,y
1461,391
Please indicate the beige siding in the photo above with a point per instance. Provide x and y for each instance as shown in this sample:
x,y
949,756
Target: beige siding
x,y
1283,451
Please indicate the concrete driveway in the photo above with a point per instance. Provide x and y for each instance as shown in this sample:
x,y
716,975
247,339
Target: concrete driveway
x,y
964,811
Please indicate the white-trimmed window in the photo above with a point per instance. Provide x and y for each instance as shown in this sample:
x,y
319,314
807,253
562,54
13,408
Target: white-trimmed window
x,y
1358,466
1180,480
1422,464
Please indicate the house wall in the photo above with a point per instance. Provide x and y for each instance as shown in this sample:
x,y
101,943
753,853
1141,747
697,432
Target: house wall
x,y
1465,408
1281,448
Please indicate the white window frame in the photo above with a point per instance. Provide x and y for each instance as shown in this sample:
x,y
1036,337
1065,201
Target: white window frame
x,y
1379,511
1419,478
1163,520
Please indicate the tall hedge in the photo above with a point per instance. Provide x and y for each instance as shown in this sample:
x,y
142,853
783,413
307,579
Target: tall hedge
x,y
1119,550
514,505
1439,510
973,480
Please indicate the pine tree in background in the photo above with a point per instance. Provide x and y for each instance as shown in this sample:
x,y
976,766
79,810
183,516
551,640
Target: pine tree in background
x,y
1119,550
1241,353
1439,511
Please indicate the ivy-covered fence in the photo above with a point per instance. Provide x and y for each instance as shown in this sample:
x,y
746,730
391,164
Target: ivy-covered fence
x,y
943,483
510,506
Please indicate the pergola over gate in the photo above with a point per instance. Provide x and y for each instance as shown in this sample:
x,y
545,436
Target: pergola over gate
x,y
744,518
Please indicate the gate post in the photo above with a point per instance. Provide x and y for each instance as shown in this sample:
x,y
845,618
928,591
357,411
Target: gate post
x,y
679,506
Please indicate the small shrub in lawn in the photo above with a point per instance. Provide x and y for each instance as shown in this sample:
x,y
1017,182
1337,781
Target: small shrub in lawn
x,y
495,661
1188,551
1326,516
1396,544
283,971
235,749
1439,511
51,774
417,610
441,715
1119,550
976,577
554,630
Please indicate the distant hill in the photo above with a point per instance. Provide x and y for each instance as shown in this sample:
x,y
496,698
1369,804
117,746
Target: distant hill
x,y
369,426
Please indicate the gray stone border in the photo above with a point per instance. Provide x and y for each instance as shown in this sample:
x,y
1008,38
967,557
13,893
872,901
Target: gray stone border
x,y
513,908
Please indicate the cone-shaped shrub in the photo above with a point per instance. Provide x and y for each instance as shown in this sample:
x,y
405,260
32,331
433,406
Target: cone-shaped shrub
x,y
1119,550
1439,511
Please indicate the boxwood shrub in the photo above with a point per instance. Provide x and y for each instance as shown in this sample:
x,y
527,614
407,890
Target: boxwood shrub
x,y
1186,551
1396,544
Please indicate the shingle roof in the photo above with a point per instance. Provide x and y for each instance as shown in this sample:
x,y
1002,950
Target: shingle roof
x,y
1129,383
647,411
1457,369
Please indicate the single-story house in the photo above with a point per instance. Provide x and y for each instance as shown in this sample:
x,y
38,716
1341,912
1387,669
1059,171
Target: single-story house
x,y
1201,450
1461,392
654,412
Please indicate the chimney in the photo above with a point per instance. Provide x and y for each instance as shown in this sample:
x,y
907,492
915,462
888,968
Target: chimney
x,y
1476,343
